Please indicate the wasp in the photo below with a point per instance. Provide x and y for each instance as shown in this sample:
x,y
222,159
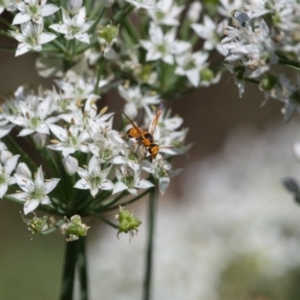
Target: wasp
x,y
144,137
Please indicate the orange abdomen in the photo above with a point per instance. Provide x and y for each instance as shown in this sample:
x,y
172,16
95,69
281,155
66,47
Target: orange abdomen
x,y
134,133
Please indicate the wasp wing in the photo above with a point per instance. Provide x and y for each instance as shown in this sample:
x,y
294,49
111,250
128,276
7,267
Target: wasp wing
x,y
156,117
139,130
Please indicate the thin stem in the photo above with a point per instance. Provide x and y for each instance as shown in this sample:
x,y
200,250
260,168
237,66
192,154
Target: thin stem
x,y
122,14
82,268
149,255
60,46
106,221
69,270
124,203
8,24
12,143
104,206
7,49
131,31
100,15
99,73
52,229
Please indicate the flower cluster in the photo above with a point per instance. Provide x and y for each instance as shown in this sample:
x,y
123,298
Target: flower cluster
x,y
262,36
90,160
77,162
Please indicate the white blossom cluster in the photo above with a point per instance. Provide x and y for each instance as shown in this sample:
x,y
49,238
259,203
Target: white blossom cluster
x,y
164,39
66,120
89,48
262,36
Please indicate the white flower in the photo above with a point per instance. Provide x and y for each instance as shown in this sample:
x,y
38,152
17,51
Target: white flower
x,y
70,140
129,156
163,46
31,38
76,87
129,179
211,33
166,13
34,192
8,5
93,178
228,6
33,10
5,172
136,100
106,141
33,120
190,65
194,11
75,27
252,47
161,170
146,4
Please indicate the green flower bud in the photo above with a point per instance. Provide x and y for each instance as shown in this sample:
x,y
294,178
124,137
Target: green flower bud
x,y
127,222
268,82
38,225
108,33
146,72
207,75
75,228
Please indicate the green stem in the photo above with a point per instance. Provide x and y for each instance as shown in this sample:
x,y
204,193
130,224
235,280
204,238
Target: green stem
x,y
17,149
100,15
131,31
82,268
125,203
149,255
122,13
72,249
106,221
8,24
99,73
7,49
54,228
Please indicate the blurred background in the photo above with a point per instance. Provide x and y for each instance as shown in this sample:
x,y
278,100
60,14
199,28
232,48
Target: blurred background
x,y
226,229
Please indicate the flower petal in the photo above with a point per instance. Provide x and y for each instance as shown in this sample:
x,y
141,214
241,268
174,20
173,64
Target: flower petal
x,y
21,18
30,206
46,37
50,185
48,10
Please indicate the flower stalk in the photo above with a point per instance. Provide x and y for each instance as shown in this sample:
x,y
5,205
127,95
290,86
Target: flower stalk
x,y
152,207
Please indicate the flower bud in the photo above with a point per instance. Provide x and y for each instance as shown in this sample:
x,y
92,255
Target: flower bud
x,y
71,164
108,33
74,6
39,140
268,82
75,228
194,11
127,222
207,75
38,225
